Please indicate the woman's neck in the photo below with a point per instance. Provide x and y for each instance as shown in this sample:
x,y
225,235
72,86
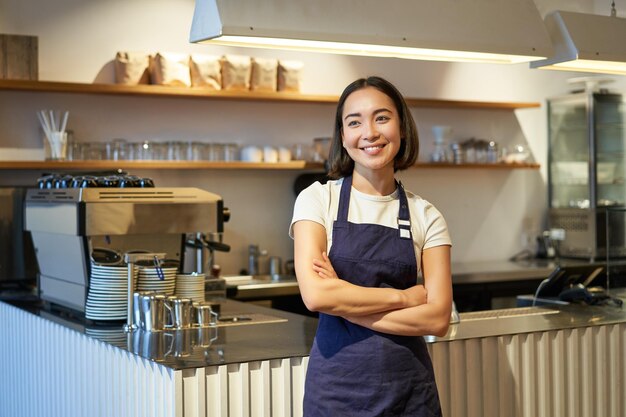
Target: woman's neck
x,y
374,182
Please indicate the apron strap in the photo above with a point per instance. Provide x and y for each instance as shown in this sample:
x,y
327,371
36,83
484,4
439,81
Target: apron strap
x,y
404,215
344,199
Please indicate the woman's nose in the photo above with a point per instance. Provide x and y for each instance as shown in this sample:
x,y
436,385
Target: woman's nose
x,y
370,131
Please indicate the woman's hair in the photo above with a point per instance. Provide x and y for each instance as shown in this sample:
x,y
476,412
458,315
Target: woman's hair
x,y
340,163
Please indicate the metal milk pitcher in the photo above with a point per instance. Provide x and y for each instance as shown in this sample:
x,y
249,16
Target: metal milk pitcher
x,y
180,312
153,312
138,309
205,314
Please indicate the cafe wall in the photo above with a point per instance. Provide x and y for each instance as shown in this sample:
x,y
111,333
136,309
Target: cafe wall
x,y
492,214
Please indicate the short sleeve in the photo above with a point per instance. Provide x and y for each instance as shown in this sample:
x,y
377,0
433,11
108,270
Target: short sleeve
x,y
311,204
436,229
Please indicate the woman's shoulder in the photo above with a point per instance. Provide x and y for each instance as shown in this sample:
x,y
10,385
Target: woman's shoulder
x,y
416,199
421,204
314,203
319,190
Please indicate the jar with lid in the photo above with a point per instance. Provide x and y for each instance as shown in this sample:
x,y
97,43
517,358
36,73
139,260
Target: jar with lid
x,y
441,134
492,152
458,153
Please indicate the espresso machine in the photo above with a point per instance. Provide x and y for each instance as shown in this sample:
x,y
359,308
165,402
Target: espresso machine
x,y
67,224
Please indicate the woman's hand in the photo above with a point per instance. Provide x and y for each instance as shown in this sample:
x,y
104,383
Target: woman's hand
x,y
324,268
416,295
430,318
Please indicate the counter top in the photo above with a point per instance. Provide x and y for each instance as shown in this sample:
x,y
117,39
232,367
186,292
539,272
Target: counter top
x,y
511,321
284,335
243,287
253,287
275,334
499,271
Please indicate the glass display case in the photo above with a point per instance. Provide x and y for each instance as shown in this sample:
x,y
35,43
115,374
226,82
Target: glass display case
x,y
586,171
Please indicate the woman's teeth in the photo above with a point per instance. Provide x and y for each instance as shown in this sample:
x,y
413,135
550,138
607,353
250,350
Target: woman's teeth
x,y
371,148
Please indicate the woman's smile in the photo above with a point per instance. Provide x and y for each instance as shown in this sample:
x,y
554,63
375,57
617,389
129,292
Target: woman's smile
x,y
373,150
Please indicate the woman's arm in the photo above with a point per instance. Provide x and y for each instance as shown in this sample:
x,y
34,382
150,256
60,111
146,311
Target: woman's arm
x,y
432,318
324,293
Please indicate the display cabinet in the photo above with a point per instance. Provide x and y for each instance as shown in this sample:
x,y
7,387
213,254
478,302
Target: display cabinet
x,y
587,165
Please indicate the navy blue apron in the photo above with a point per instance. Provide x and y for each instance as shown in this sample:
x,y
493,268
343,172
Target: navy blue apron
x,y
355,371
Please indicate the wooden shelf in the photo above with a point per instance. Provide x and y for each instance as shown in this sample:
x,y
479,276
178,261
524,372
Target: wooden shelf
x,y
501,166
180,92
207,165
180,165
190,92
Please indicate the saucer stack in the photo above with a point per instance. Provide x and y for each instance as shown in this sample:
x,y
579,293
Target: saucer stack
x,y
149,280
190,286
108,292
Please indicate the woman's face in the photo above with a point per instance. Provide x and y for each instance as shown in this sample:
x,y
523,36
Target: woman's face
x,y
371,129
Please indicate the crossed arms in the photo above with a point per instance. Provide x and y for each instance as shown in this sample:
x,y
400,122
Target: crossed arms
x,y
416,311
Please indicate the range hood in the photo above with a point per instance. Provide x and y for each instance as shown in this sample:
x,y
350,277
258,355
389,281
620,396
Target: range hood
x,y
503,31
585,42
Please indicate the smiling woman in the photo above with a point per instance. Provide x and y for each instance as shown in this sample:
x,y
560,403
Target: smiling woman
x,y
360,242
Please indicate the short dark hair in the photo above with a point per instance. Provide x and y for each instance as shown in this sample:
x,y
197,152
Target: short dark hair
x,y
340,163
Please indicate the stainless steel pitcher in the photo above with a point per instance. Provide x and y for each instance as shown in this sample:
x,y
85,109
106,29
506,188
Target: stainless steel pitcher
x,y
181,312
152,315
137,307
206,314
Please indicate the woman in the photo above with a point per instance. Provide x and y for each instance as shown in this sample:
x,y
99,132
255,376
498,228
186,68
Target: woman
x,y
367,358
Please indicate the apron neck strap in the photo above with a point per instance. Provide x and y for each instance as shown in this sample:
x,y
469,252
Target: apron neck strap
x,y
344,199
404,215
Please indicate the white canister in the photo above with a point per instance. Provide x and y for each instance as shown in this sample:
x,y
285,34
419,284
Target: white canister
x,y
252,154
270,154
284,154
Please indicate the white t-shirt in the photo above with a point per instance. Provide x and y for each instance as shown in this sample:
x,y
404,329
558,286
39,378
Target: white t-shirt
x,y
320,203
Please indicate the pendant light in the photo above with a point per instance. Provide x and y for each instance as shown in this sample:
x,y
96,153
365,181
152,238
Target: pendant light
x,y
503,31
586,42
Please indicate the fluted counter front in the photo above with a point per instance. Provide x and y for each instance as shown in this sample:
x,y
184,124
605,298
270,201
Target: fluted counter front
x,y
569,362
54,365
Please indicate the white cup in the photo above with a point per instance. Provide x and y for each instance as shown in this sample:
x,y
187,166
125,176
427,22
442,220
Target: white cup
x,y
284,154
252,154
270,154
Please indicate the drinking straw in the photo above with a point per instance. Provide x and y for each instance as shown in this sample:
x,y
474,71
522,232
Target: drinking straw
x,y
64,123
54,128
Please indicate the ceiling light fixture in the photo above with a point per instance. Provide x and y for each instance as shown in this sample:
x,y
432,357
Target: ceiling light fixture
x,y
490,31
585,42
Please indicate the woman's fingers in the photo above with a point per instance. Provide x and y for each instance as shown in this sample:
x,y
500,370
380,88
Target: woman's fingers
x,y
323,267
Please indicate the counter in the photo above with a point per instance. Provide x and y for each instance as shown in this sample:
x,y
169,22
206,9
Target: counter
x,y
568,360
501,271
477,285
249,287
54,364
495,284
227,343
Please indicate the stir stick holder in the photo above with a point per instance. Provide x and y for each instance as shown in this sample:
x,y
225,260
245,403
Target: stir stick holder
x,y
131,259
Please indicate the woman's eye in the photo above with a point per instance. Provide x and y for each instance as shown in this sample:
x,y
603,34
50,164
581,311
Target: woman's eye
x,y
352,123
382,118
